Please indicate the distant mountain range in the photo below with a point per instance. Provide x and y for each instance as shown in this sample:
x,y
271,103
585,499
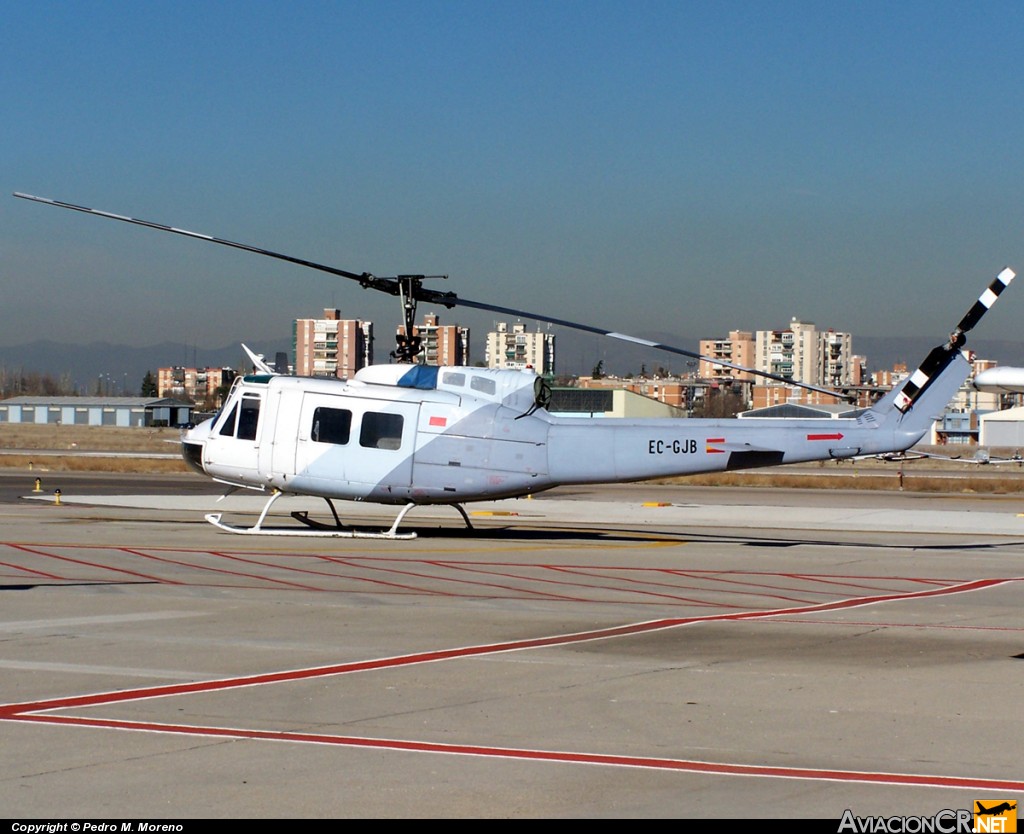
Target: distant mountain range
x,y
120,368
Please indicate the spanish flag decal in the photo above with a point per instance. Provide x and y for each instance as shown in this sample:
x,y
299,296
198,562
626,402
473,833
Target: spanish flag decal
x,y
711,450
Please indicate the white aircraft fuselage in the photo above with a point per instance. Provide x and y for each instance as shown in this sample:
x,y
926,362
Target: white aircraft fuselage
x,y
402,434
417,434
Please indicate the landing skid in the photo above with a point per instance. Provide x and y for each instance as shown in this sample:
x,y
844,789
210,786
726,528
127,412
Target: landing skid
x,y
317,529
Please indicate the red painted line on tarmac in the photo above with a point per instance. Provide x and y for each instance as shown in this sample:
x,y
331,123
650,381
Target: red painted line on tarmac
x,y
694,572
96,565
18,710
378,583
554,756
535,580
30,712
650,583
9,710
275,565
390,558
351,576
848,582
525,593
207,569
761,588
23,569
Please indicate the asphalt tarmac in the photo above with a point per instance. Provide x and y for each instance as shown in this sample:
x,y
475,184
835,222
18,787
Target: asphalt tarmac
x,y
635,651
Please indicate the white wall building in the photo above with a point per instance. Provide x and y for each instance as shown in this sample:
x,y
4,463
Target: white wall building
x,y
806,354
517,349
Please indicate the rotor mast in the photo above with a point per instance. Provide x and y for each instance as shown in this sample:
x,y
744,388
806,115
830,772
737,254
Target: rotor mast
x,y
411,292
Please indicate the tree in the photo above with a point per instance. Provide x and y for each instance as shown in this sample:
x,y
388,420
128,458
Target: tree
x,y
34,384
598,371
149,388
719,402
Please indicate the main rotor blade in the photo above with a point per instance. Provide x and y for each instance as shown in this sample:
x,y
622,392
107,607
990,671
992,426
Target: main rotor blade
x,y
164,228
394,286
623,337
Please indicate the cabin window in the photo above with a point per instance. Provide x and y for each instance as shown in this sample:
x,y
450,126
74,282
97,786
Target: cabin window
x,y
452,378
331,425
381,431
483,384
248,417
227,428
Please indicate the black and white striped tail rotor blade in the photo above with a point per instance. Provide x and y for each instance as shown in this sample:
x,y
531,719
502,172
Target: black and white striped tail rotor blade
x,y
985,301
937,361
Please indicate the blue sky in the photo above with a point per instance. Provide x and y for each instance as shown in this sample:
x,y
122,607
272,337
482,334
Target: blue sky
x,y
646,166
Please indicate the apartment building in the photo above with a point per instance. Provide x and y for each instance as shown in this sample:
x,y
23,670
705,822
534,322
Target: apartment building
x,y
199,385
518,348
332,346
803,353
440,344
738,349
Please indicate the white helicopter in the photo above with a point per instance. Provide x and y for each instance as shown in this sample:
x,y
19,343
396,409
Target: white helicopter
x,y
411,434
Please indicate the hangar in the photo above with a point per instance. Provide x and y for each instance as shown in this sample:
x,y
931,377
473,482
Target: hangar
x,y
1002,428
126,412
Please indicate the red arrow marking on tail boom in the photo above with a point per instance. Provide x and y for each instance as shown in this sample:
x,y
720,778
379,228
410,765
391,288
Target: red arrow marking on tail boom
x,y
836,436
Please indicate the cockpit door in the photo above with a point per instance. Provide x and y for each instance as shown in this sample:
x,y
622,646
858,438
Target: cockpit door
x,y
232,450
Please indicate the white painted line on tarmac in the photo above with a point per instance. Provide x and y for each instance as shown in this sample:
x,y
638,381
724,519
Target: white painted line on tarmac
x,y
82,669
66,622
